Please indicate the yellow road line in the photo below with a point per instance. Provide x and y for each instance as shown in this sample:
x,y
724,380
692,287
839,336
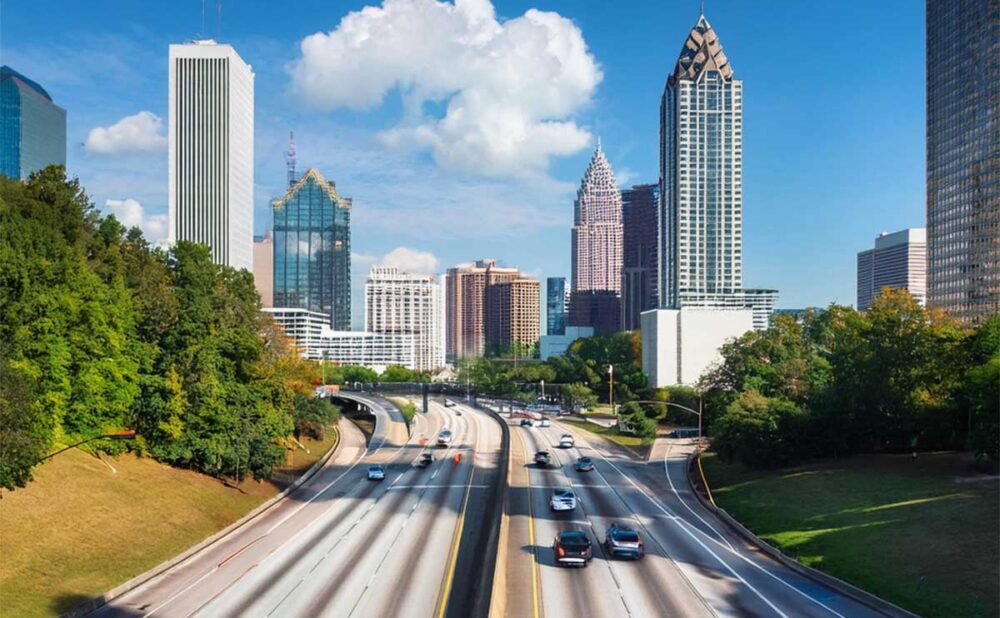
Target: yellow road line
x,y
531,536
705,482
453,560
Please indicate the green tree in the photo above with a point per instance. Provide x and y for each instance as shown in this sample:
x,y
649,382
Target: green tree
x,y
761,431
577,395
982,390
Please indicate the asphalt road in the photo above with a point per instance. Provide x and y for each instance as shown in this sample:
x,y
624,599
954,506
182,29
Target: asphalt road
x,y
341,545
693,565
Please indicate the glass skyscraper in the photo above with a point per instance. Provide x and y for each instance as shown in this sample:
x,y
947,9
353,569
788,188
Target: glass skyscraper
x,y
312,249
32,127
638,253
963,157
555,306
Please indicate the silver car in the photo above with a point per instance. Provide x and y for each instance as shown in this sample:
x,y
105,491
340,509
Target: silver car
x,y
563,499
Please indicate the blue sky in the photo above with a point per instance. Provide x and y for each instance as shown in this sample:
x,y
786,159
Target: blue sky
x,y
833,125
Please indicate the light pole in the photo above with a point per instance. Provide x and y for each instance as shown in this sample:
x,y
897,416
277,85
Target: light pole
x,y
611,387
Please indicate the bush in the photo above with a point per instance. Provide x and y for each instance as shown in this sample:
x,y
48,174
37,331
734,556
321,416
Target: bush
x,y
761,431
313,415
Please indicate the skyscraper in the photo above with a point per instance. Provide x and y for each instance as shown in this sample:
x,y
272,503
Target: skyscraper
x,y
210,151
555,305
597,229
701,175
898,260
32,127
406,304
470,304
312,249
638,253
963,157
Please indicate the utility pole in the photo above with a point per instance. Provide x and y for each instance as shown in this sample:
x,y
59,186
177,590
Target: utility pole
x,y
611,385
699,418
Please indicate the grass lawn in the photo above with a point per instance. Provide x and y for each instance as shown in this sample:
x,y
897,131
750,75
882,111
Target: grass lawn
x,y
611,433
923,535
79,530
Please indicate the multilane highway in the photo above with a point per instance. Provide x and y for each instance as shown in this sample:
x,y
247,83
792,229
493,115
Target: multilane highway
x,y
341,545
693,566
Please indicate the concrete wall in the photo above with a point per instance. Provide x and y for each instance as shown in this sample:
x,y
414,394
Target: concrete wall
x,y
678,345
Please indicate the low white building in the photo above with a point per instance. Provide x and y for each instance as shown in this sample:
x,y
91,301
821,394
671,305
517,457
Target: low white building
x,y
315,339
678,345
556,345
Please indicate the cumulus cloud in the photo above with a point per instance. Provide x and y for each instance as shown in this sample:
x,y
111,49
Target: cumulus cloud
x,y
508,90
130,213
411,261
141,132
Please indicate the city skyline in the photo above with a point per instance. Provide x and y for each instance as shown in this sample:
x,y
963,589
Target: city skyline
x,y
620,106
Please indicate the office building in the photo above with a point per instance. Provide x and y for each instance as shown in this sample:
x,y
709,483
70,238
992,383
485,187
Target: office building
x,y
406,304
312,249
311,334
597,228
210,151
263,268
679,345
963,158
556,303
511,316
638,292
597,309
898,260
32,126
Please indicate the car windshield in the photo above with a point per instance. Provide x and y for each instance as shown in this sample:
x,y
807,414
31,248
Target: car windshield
x,y
573,539
563,493
626,536
542,454
375,468
584,460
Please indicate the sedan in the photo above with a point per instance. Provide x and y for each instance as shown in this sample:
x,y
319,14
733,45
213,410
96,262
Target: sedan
x,y
545,423
542,459
584,464
563,499
623,541
425,460
572,548
526,422
376,473
566,441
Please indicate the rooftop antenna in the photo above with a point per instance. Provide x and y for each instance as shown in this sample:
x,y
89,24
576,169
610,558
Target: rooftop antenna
x,y
290,158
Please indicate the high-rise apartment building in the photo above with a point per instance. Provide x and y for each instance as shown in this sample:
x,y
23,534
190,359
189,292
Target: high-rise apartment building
x,y
32,127
312,249
555,305
210,151
963,157
701,173
638,253
510,315
406,304
263,268
466,288
597,228
898,260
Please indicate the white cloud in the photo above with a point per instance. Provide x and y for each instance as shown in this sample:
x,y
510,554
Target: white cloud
x,y
130,213
139,133
508,89
411,261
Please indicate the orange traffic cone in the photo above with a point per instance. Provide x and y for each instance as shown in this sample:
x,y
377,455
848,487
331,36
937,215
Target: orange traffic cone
x,y
458,458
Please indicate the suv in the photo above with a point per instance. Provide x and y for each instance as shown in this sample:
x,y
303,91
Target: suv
x,y
542,459
563,499
572,548
584,464
444,438
425,460
566,441
623,541
376,473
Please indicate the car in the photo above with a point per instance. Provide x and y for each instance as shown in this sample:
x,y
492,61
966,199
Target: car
x,y
566,441
449,404
584,464
563,499
376,473
542,459
425,460
545,423
572,548
526,422
622,541
444,438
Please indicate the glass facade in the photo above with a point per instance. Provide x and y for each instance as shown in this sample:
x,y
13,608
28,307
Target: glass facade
x,y
32,127
312,250
555,306
638,253
963,157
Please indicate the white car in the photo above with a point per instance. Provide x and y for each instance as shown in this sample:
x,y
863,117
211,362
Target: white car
x,y
376,473
444,438
544,423
566,441
563,499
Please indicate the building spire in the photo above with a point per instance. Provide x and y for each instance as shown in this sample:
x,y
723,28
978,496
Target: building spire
x,y
701,12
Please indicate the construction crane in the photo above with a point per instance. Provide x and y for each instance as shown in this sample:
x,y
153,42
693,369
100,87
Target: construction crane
x,y
290,158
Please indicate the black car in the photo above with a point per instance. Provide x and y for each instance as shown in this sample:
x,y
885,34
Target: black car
x,y
622,541
573,548
526,422
425,460
542,459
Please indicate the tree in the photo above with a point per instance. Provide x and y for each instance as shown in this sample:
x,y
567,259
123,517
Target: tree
x,y
982,390
637,420
357,373
761,431
577,394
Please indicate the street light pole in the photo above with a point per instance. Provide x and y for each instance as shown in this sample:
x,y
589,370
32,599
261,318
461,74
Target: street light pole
x,y
611,387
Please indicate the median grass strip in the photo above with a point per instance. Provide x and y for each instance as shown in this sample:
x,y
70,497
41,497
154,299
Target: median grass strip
x,y
632,443
920,534
79,529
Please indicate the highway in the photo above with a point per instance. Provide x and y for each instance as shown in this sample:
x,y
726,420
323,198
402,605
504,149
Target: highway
x,y
693,565
342,545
